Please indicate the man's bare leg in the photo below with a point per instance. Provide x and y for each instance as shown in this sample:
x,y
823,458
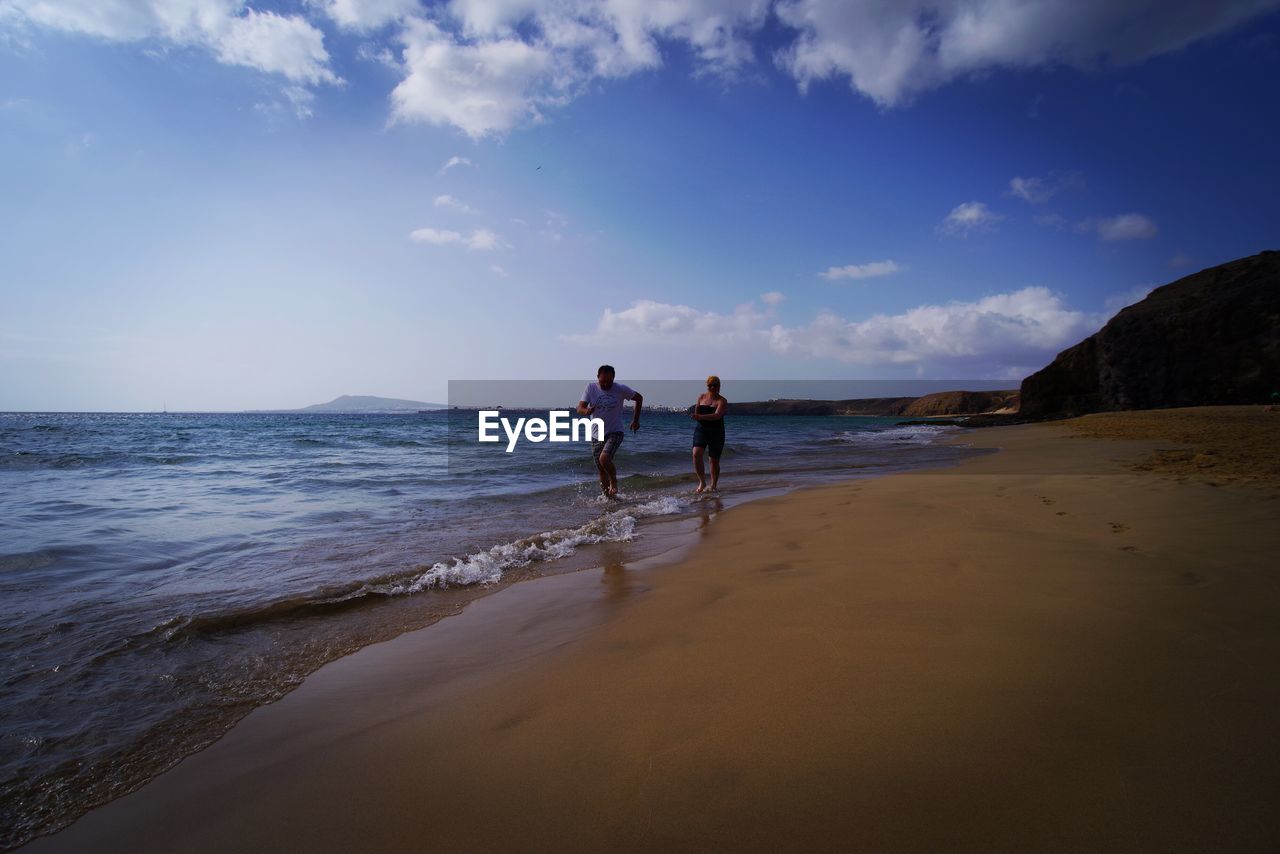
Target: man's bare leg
x,y
715,473
608,475
604,476
698,469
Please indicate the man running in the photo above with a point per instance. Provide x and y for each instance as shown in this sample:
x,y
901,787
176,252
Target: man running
x,y
603,399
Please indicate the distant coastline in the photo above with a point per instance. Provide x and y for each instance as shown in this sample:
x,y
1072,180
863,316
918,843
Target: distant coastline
x,y
360,404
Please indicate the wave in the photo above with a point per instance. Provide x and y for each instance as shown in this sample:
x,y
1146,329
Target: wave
x,y
487,567
480,568
913,434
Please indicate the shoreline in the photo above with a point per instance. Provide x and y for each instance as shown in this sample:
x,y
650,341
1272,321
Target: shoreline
x,y
821,688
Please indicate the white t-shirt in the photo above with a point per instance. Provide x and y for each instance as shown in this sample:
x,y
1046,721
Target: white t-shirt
x,y
608,404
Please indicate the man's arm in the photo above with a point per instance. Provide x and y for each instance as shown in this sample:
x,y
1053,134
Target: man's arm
x,y
584,408
635,417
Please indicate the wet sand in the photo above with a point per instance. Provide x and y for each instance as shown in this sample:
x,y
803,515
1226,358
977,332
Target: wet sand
x,y
1042,649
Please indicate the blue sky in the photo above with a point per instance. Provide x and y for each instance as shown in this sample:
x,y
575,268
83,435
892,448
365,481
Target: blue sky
x,y
214,204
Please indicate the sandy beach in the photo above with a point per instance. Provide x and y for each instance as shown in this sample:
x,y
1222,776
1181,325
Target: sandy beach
x,y
1069,644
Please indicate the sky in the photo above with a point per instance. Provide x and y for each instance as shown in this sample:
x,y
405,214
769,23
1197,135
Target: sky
x,y
224,205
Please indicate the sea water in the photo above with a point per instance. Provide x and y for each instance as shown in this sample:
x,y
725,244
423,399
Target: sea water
x,y
163,574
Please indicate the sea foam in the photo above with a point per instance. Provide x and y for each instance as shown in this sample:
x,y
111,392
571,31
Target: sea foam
x,y
487,567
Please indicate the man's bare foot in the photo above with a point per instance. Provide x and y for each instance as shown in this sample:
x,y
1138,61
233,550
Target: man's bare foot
x,y
611,492
700,488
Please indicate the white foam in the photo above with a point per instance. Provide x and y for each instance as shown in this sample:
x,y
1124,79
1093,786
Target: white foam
x,y
911,434
487,567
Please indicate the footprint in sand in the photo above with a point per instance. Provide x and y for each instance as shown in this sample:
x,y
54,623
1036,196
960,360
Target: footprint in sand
x,y
1118,527
1047,501
1062,513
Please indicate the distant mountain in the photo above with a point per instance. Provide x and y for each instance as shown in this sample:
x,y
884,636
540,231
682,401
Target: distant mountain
x,y
369,403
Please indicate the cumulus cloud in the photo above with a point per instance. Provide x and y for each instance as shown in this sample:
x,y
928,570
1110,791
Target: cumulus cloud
x,y
481,239
1038,190
650,320
365,15
487,67
861,271
772,298
969,217
1005,330
997,334
499,270
480,88
893,51
450,203
288,45
1130,226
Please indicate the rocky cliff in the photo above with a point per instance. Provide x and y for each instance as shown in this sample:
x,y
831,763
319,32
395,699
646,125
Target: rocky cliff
x,y
1210,338
962,403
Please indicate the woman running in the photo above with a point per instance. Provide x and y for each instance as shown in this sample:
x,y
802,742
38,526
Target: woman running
x,y
708,433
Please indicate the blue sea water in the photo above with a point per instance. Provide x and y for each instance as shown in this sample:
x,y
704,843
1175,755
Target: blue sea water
x,y
163,574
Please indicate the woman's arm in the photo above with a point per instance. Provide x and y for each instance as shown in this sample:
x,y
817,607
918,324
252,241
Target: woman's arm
x,y
722,406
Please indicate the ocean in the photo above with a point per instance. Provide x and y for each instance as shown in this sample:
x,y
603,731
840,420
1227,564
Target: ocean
x,y
164,574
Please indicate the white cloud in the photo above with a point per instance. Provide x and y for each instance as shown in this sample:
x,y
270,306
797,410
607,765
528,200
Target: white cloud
x,y
1005,330
482,88
484,239
772,298
288,45
453,204
1038,190
488,66
301,98
439,237
269,42
969,217
498,269
481,239
994,335
509,60
1181,259
453,161
649,320
1130,226
365,15
862,271
891,51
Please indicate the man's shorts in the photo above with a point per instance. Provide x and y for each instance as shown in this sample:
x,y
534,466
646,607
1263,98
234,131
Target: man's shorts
x,y
610,445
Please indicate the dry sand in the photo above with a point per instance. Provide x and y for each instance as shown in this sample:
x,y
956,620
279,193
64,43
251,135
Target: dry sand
x,y
1040,650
